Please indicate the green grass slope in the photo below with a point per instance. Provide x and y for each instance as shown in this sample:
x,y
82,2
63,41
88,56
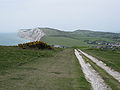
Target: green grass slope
x,y
40,70
66,41
76,38
11,57
51,31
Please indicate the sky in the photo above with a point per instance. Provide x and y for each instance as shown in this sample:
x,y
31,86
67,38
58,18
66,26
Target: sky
x,y
67,15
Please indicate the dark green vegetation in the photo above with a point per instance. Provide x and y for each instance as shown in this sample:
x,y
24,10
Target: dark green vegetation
x,y
35,45
78,37
111,58
26,69
109,80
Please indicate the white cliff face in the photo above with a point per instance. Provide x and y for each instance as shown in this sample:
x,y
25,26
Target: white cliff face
x,y
31,34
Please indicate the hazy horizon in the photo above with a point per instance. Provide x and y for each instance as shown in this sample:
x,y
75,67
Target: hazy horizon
x,y
66,15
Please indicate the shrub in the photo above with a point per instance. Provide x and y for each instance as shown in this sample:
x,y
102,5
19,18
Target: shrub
x,y
35,45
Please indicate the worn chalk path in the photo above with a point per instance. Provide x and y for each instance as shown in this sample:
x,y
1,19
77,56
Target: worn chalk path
x,y
110,71
91,75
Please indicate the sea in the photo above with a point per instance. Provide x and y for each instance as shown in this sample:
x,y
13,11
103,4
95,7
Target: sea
x,y
11,39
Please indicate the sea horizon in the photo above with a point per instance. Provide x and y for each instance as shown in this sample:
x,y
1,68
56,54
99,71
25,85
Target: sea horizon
x,y
11,39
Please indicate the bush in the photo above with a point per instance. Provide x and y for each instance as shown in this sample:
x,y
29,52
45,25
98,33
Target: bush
x,y
35,45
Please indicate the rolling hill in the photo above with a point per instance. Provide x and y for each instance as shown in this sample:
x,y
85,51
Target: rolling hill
x,y
75,38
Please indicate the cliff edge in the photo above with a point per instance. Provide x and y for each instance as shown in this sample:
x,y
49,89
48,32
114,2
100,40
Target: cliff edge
x,y
31,34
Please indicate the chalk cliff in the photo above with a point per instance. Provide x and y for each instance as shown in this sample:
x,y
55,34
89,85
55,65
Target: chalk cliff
x,y
31,34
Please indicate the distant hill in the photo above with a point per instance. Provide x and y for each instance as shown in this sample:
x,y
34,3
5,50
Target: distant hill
x,y
51,31
75,38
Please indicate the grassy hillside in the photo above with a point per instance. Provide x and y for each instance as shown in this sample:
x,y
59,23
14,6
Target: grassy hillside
x,y
66,41
77,38
40,70
51,31
11,57
95,33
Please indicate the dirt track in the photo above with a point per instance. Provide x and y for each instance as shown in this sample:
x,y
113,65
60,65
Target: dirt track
x,y
91,75
110,71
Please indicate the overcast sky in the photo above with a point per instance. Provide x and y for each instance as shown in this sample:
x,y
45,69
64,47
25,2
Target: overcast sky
x,y
99,15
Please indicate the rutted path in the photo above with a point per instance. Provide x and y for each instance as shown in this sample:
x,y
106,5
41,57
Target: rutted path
x,y
110,71
91,75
